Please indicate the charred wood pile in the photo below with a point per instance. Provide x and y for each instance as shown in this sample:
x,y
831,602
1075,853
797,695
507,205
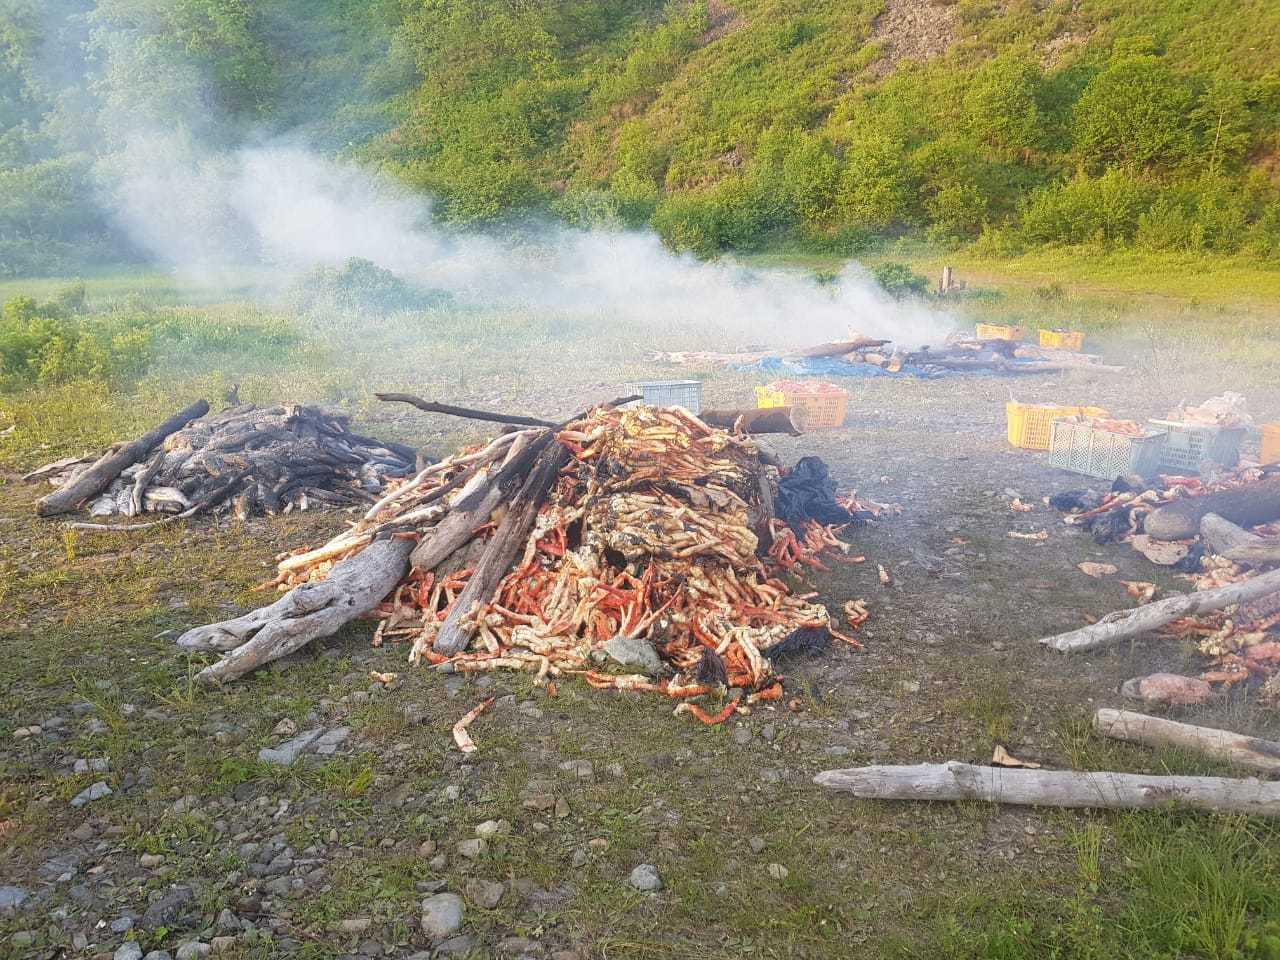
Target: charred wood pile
x,y
245,459
635,549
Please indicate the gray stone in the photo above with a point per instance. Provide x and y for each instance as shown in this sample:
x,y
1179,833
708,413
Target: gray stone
x,y
228,921
11,899
149,860
471,849
23,939
330,741
122,925
288,752
129,950
193,950
459,946
158,955
95,791
442,915
484,894
741,735
222,944
757,844
634,652
168,908
645,877
490,829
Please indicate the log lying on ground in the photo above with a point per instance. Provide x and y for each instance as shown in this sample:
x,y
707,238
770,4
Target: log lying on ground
x,y
1131,623
508,540
1221,536
836,348
769,420
1150,731
1054,788
111,464
1263,550
1247,506
431,406
353,588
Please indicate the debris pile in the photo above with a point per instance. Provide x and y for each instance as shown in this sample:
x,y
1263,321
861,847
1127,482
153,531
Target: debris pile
x,y
246,459
1241,639
637,549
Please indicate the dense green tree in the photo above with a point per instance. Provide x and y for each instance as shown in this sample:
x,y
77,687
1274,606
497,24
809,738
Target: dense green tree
x,y
1134,112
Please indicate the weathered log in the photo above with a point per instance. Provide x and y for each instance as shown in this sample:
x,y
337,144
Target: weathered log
x,y
353,588
503,548
471,510
1130,623
1054,788
53,469
1265,550
431,406
144,477
1222,535
1247,506
112,463
1236,748
768,420
835,348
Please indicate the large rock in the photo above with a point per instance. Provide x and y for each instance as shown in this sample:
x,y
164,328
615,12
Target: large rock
x,y
635,652
11,899
95,791
442,915
165,911
289,751
129,950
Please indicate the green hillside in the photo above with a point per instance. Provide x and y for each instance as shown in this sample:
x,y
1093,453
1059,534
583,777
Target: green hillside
x,y
725,125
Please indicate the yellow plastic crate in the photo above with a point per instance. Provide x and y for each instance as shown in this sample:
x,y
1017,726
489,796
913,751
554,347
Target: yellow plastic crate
x,y
1062,339
1031,424
814,406
998,331
1270,443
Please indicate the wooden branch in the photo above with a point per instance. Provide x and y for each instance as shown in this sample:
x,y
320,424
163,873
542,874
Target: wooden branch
x,y
1130,623
503,548
1054,788
431,406
1247,506
353,588
459,525
1150,731
835,348
1222,535
112,463
140,482
769,420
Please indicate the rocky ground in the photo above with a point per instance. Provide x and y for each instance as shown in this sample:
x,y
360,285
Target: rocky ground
x,y
310,811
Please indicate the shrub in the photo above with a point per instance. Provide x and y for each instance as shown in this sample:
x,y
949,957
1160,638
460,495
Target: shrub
x,y
41,344
734,214
1000,103
898,280
1133,112
1086,209
874,189
362,286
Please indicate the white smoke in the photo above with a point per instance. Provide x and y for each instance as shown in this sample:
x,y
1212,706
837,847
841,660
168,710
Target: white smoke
x,y
281,210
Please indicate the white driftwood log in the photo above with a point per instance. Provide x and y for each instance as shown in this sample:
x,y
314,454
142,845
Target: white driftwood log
x,y
354,587
1150,731
1130,623
1053,788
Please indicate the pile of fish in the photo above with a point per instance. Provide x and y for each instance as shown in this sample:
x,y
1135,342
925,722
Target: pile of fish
x,y
652,563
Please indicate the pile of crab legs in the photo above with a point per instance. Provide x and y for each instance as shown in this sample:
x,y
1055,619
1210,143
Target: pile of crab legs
x,y
653,531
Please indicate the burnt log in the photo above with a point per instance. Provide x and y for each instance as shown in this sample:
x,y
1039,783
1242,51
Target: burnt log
x,y
1246,506
768,420
114,462
503,548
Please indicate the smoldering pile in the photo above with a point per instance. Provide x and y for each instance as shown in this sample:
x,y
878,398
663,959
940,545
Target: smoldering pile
x,y
245,459
631,548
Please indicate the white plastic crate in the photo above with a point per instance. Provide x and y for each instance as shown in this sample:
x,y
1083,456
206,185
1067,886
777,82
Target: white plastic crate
x,y
669,393
1082,448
